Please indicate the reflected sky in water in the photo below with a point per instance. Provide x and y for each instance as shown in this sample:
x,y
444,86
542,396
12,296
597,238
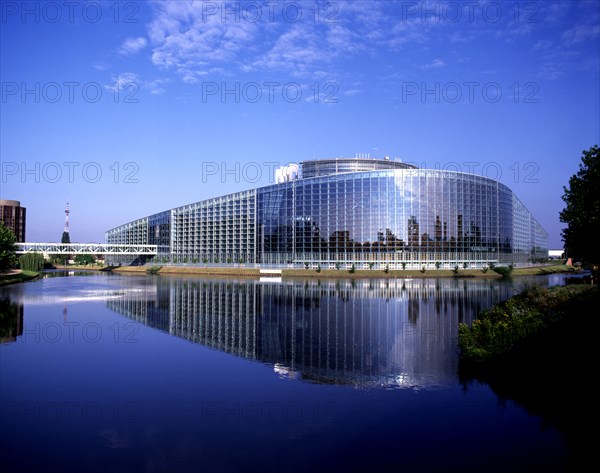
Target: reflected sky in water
x,y
137,373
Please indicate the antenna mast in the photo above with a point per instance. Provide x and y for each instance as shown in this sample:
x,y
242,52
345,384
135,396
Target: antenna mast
x,y
67,211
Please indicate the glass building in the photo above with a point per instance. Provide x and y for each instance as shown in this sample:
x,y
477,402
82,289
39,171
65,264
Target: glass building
x,y
350,211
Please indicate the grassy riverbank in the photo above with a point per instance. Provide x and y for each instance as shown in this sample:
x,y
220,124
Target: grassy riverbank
x,y
345,273
17,276
509,328
538,349
77,267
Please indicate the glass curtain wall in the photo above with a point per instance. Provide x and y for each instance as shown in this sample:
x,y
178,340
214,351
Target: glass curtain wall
x,y
400,219
403,219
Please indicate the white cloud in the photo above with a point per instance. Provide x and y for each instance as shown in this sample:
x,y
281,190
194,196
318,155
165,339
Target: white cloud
x,y
297,50
193,44
435,64
551,71
126,80
157,86
101,66
580,33
186,39
132,46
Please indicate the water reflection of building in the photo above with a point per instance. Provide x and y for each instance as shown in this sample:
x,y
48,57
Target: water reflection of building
x,y
363,332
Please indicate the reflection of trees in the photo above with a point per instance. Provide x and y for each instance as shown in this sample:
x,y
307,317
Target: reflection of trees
x,y
539,377
413,233
11,320
306,235
280,239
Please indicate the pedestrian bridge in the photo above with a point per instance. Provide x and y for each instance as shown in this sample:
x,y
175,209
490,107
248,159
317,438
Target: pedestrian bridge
x,y
85,248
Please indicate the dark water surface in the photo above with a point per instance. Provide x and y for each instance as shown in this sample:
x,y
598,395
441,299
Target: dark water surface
x,y
105,372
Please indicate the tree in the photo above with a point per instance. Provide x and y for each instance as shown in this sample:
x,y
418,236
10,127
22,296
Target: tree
x,y
84,259
582,210
8,249
66,240
32,262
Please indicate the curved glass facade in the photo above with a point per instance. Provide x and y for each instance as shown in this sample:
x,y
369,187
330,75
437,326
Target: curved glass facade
x,y
404,218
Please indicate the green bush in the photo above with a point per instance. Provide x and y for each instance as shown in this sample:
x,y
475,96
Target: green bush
x,y
504,271
153,269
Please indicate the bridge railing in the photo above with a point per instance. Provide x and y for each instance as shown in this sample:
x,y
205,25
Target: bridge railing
x,y
85,248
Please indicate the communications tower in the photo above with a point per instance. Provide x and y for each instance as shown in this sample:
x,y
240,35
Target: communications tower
x,y
67,219
66,238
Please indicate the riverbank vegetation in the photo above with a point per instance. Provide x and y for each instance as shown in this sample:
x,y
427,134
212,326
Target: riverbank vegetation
x,y
32,262
8,249
509,327
582,210
538,349
153,269
17,276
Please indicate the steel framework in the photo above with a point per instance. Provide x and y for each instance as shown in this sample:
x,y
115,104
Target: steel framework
x,y
85,248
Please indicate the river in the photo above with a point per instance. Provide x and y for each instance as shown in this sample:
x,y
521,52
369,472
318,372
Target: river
x,y
127,373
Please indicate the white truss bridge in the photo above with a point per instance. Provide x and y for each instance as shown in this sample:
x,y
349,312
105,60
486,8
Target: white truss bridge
x,y
85,248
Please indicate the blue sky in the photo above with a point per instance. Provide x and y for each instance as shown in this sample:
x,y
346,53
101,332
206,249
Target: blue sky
x,y
124,109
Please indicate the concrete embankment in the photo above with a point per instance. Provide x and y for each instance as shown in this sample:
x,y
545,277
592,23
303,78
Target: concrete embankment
x,y
342,273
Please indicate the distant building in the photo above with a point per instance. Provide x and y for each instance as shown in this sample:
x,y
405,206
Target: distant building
x,y
287,173
13,216
556,254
